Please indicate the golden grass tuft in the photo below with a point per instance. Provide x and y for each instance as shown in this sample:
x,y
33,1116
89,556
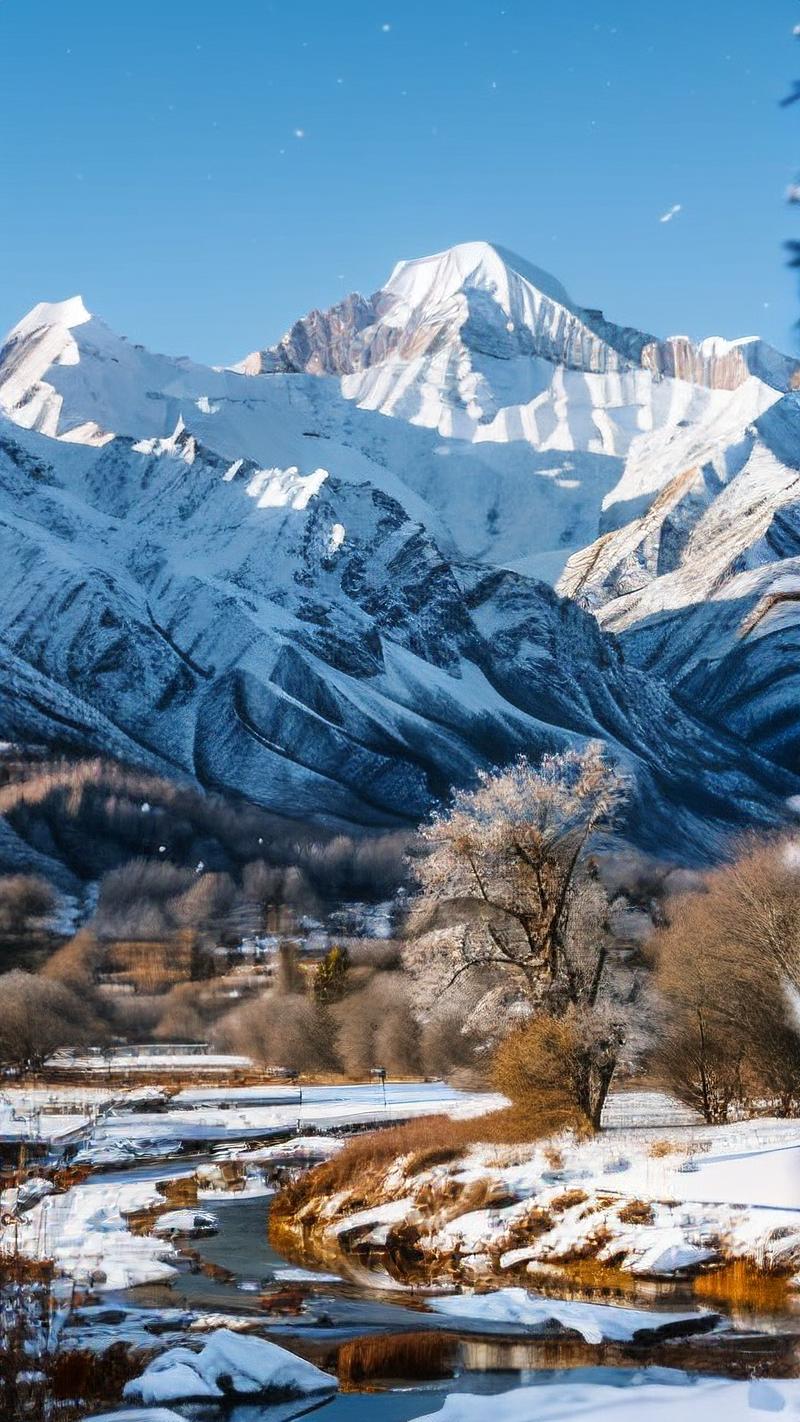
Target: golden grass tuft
x,y
431,1156
636,1212
658,1149
180,1193
568,1200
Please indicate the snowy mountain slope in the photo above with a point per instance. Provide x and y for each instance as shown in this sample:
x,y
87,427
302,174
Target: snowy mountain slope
x,y
494,303
517,459
476,343
704,588
254,580
303,641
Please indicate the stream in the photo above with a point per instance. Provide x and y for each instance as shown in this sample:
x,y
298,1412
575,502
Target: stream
x,y
315,1314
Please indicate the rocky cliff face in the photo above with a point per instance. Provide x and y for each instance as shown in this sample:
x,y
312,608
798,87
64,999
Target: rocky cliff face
x,y
721,365
261,582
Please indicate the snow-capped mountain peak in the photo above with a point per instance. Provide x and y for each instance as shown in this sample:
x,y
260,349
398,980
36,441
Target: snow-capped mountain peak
x,y
428,284
63,314
255,577
476,298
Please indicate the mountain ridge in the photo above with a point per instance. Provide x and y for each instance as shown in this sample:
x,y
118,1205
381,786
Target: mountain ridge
x,y
333,591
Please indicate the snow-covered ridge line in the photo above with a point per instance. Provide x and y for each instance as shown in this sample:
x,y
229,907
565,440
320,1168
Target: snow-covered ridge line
x,y
324,587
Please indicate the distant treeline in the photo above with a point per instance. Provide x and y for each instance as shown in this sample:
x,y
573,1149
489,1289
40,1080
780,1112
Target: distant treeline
x,y
90,818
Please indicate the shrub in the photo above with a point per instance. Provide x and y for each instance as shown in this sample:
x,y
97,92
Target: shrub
x,y
556,1070
446,1045
636,1212
376,1026
281,1030
24,899
76,963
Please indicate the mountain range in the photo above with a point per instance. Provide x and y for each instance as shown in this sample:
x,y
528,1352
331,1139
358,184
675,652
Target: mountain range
x,y
428,529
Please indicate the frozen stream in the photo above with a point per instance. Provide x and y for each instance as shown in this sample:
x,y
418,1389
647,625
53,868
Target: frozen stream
x,y
488,1358
418,1357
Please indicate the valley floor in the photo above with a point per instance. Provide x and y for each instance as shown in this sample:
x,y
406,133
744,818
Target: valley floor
x,y
645,1273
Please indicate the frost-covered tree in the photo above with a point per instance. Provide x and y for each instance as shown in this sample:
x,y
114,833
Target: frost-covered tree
x,y
512,912
508,888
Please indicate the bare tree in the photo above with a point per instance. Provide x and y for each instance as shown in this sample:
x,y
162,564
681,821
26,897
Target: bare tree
x,y
758,900
37,1017
280,1030
727,972
376,1026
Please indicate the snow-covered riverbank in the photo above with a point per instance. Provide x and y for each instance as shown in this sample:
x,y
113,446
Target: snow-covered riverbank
x,y
654,1204
483,1229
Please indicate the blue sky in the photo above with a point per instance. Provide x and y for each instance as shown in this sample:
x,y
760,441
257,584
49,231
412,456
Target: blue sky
x,y
204,173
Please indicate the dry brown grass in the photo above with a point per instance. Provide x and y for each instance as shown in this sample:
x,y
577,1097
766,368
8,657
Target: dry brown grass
x,y
449,1199
636,1212
43,1386
179,1193
415,1356
427,1141
536,1222
433,1155
658,1149
587,1278
588,1248
94,1377
568,1200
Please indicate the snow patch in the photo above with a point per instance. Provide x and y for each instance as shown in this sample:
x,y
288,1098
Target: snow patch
x,y
281,488
229,1364
596,1323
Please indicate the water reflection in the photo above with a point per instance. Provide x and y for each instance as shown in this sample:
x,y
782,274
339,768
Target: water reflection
x,y
318,1315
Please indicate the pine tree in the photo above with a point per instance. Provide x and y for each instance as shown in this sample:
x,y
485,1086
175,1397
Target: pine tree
x,y
330,977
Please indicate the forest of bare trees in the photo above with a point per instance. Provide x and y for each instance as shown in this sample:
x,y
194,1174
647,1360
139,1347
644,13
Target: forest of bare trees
x,y
536,950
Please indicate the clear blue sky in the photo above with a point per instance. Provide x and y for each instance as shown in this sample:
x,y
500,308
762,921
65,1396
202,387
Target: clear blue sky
x,y
151,159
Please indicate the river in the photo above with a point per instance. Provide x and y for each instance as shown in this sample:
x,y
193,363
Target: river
x,y
317,1315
